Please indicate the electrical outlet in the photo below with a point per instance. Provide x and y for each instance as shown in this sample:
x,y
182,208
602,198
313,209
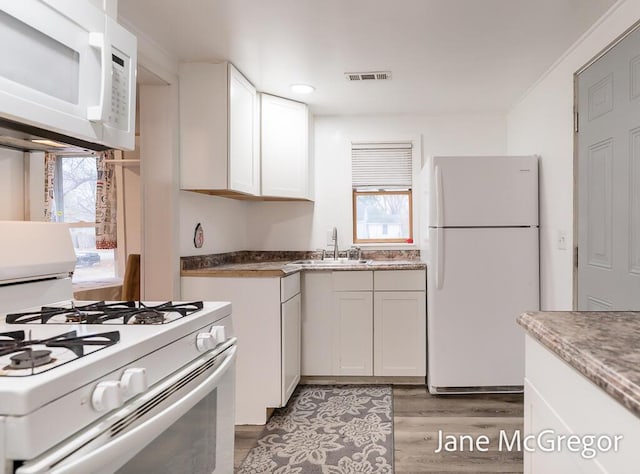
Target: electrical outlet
x,y
562,240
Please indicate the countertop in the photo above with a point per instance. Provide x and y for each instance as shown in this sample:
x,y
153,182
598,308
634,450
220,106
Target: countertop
x,y
603,346
280,269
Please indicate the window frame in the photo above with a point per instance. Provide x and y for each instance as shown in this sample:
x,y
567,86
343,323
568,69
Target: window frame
x,y
381,192
59,188
117,252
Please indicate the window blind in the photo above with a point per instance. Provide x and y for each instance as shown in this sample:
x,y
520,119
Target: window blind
x,y
381,165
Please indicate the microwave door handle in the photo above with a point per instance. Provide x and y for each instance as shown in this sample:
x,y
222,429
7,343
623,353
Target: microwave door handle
x,y
103,458
97,113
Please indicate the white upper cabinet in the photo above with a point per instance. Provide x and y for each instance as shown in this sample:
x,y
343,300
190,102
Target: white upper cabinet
x,y
218,130
244,155
284,148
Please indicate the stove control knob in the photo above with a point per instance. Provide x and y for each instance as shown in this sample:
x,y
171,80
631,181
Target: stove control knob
x,y
205,341
107,395
134,381
219,335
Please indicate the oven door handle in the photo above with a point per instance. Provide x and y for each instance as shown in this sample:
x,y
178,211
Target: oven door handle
x,y
114,454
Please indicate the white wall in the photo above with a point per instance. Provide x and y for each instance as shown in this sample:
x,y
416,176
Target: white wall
x,y
34,186
160,260
11,185
281,226
542,123
223,220
303,226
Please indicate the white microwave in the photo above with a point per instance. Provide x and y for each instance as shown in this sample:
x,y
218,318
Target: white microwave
x,y
68,68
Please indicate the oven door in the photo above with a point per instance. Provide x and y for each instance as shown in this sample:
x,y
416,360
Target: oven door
x,y
183,424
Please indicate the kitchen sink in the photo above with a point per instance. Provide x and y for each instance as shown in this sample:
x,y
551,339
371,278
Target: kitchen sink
x,y
330,262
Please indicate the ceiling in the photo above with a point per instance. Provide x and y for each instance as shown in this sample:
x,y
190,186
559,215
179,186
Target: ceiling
x,y
445,56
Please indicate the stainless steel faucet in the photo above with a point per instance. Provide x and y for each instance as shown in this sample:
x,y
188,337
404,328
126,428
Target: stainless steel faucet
x,y
334,237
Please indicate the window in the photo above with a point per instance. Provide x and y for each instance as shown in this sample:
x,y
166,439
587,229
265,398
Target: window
x,y
382,199
75,202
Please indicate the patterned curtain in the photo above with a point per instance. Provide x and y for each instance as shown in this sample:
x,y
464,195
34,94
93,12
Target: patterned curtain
x,y
106,231
49,185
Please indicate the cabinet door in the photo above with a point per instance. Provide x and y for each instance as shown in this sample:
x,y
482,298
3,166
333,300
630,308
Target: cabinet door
x,y
352,333
284,150
400,329
317,335
290,347
244,165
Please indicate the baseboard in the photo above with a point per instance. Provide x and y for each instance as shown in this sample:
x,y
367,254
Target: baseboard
x,y
363,380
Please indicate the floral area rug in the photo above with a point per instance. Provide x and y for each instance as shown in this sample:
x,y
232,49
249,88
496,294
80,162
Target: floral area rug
x,y
328,429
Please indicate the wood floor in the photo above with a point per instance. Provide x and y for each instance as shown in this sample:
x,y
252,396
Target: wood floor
x,y
418,416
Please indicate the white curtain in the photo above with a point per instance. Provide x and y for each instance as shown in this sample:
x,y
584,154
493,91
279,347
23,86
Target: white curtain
x,y
106,212
49,185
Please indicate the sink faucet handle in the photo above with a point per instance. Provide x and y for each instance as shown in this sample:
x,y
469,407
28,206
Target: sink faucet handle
x,y
355,250
323,253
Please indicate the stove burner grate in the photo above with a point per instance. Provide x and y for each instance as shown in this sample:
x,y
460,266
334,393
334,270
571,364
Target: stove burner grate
x,y
122,312
26,357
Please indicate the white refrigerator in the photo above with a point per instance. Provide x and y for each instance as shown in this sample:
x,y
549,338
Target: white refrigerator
x,y
482,253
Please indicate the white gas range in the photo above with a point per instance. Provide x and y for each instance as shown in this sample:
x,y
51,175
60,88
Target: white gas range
x,y
115,386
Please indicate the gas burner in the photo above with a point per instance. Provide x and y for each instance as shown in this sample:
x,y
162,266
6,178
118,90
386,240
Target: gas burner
x,y
30,353
75,317
29,359
122,312
148,316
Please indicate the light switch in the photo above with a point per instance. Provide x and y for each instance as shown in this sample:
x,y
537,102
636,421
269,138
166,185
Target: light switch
x,y
562,240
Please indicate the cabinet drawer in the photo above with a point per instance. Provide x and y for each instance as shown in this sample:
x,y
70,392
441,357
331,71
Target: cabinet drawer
x,y
400,280
289,286
352,281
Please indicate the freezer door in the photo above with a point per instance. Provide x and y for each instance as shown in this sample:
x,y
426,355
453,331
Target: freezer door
x,y
488,277
482,191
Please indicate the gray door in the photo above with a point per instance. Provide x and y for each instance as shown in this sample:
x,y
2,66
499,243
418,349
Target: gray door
x,y
609,180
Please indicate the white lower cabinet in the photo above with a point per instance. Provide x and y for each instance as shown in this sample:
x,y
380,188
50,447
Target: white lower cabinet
x,y
400,333
364,323
352,333
290,346
560,402
266,321
317,329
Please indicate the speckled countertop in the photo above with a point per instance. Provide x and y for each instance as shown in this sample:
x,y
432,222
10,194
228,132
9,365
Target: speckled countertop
x,y
603,346
279,269
245,269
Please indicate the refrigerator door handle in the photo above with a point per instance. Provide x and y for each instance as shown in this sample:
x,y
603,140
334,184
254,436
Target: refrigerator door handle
x,y
439,203
439,243
438,247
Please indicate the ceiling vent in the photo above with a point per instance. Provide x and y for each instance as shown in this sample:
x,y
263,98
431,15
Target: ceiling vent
x,y
368,76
